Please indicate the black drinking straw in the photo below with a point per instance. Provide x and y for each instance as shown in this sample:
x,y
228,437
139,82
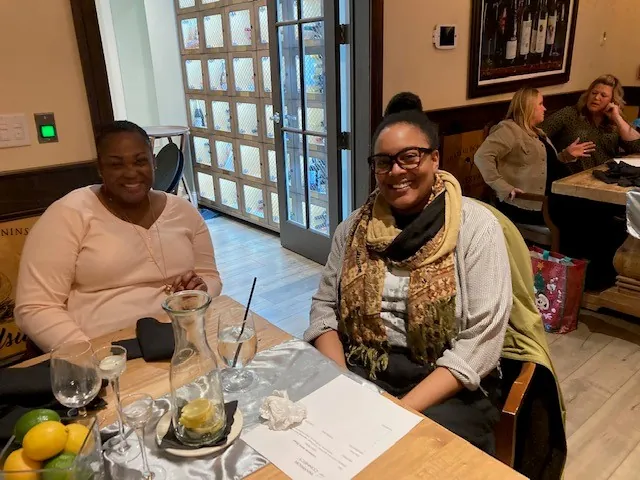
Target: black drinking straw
x,y
244,323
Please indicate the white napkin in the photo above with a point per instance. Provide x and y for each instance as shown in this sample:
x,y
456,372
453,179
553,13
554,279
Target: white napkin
x,y
280,412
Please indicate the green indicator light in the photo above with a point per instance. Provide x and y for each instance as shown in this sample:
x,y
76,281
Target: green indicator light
x,y
47,131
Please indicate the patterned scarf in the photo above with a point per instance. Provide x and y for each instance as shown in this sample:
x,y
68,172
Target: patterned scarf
x,y
432,286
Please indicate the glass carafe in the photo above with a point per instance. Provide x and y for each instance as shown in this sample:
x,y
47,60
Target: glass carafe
x,y
197,403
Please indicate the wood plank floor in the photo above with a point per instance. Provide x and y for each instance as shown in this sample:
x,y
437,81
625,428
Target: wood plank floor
x,y
598,364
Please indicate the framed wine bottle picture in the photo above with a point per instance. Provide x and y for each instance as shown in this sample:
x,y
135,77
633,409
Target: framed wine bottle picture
x,y
520,42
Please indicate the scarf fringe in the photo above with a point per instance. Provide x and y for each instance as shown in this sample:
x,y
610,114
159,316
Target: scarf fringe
x,y
369,357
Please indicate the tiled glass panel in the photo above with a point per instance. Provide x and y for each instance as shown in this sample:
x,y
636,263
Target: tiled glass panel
x,y
253,201
229,193
250,161
290,70
265,63
187,3
244,74
311,8
268,118
224,155
202,150
247,118
221,113
287,10
190,35
275,208
294,168
209,2
263,21
314,74
198,111
273,166
218,74
240,27
213,33
319,218
315,120
195,79
317,175
205,182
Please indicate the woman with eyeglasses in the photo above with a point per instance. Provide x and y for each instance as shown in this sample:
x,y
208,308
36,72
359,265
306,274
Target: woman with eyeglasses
x,y
416,292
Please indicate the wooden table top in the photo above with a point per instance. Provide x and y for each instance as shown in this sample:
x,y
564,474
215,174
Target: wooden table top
x,y
585,185
427,451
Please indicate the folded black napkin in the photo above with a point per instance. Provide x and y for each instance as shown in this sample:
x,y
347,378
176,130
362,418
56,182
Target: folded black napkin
x,y
23,389
153,342
171,441
621,173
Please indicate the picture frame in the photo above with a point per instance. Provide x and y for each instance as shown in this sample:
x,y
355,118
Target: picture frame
x,y
506,50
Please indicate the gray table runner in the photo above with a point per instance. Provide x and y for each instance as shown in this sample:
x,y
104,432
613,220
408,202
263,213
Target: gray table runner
x,y
294,366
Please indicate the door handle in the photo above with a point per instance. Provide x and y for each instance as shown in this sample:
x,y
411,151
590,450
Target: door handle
x,y
276,117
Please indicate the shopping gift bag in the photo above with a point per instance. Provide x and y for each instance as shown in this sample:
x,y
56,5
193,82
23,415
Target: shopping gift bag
x,y
558,283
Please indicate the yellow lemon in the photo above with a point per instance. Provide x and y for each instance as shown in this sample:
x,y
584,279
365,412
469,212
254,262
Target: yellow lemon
x,y
17,461
45,440
75,438
196,413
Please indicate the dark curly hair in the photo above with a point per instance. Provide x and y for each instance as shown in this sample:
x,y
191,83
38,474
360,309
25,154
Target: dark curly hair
x,y
119,126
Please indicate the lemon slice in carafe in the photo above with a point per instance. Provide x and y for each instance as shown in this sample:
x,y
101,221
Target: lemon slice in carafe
x,y
196,413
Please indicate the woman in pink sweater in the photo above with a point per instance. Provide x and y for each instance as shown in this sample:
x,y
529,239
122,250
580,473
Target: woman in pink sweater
x,y
106,255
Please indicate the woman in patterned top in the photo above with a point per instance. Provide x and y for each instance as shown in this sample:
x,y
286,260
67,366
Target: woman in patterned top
x,y
596,118
590,229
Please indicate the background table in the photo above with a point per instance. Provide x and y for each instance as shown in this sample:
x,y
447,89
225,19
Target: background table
x,y
427,451
624,296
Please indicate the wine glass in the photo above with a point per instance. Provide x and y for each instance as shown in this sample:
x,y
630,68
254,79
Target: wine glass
x,y
112,362
237,345
74,377
137,409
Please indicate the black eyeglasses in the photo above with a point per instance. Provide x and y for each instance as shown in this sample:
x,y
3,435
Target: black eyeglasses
x,y
407,159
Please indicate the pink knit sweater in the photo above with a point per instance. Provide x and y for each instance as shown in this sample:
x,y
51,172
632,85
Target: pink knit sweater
x,y
84,272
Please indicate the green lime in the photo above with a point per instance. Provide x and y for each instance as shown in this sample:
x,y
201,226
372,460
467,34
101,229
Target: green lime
x,y
56,464
32,418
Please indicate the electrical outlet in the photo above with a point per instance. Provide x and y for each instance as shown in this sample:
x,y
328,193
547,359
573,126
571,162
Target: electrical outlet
x,y
14,131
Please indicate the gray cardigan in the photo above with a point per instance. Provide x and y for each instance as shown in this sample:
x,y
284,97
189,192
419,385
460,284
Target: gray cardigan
x,y
483,295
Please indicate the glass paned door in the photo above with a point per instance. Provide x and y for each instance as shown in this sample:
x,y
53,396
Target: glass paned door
x,y
306,111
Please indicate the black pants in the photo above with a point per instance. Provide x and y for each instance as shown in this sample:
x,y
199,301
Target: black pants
x,y
471,415
520,215
592,231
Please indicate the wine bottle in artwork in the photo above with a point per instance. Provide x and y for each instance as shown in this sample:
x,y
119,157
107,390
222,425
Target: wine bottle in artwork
x,y
526,22
490,34
552,23
198,118
540,25
511,49
562,23
502,35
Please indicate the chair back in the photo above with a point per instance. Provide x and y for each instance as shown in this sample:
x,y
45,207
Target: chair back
x,y
169,167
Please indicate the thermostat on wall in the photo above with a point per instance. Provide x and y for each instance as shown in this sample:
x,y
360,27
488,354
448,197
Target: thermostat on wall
x,y
445,37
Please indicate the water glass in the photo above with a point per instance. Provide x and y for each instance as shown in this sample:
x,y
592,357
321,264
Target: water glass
x,y
112,362
237,345
137,410
74,377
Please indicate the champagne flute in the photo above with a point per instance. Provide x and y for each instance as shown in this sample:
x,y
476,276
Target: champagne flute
x,y
112,362
74,377
237,345
137,409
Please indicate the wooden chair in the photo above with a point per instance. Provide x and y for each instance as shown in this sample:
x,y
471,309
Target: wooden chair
x,y
548,234
505,430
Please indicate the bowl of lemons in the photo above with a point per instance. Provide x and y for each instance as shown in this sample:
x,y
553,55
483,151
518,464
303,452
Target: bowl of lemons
x,y
47,447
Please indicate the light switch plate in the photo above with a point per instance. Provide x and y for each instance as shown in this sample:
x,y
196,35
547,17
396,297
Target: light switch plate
x,y
14,131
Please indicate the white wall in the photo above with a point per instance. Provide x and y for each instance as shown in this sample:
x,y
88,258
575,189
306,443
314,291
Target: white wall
x,y
134,57
165,59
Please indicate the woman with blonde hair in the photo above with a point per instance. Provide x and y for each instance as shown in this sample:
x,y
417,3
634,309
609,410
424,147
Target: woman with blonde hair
x,y
597,118
517,157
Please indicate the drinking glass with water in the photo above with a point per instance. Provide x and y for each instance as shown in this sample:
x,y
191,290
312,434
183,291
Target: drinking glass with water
x,y
237,345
